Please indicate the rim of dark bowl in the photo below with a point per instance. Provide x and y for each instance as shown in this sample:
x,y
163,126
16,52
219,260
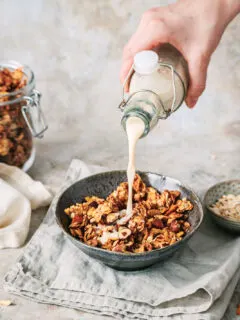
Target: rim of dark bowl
x,y
208,206
142,254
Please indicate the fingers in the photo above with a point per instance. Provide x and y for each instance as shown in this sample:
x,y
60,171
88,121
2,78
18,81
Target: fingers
x,y
197,65
126,66
150,33
135,45
160,26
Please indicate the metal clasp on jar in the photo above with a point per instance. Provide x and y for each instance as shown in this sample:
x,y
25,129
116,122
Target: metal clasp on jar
x,y
33,114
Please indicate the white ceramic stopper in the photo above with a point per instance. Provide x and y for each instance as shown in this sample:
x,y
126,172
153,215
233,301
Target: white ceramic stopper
x,y
145,62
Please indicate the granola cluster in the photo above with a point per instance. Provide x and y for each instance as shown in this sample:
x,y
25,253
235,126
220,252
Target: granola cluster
x,y
15,137
158,219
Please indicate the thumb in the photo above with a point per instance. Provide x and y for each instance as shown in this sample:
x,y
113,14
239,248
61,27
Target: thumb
x,y
197,66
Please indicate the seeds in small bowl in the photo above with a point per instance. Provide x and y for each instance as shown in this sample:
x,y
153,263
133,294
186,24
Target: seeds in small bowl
x,y
228,206
222,204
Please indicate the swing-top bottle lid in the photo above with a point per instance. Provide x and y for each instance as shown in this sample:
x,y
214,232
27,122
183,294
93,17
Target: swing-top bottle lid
x,y
145,62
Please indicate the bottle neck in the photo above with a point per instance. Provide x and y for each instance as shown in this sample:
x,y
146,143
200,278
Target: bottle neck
x,y
141,114
145,105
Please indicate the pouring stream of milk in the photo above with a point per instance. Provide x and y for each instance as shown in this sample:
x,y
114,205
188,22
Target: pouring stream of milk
x,y
135,128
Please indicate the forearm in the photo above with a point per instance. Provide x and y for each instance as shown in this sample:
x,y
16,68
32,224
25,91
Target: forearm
x,y
227,9
232,8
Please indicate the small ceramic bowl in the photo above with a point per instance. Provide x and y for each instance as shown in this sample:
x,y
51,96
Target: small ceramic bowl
x,y
102,185
216,192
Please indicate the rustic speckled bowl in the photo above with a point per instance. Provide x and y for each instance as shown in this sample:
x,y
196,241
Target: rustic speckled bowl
x,y
216,192
102,185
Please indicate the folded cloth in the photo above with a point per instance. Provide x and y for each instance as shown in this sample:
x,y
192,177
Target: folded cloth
x,y
196,283
18,194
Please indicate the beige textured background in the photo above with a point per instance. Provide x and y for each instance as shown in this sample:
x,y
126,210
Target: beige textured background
x,y
74,48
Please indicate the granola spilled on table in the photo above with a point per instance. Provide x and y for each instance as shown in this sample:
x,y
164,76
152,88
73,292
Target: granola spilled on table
x,y
158,220
15,137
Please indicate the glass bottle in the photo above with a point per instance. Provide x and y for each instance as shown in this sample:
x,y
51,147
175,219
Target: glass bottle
x,y
21,117
158,83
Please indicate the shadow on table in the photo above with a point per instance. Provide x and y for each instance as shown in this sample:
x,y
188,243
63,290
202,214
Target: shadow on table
x,y
37,217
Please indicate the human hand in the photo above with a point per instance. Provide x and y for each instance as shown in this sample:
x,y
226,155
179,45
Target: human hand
x,y
193,27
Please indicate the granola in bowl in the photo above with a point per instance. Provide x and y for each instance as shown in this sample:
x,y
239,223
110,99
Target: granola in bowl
x,y
158,220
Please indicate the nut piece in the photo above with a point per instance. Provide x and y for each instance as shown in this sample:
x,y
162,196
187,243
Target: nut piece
x,y
5,145
139,188
5,303
120,247
157,223
153,212
175,226
184,205
173,208
124,233
77,221
112,217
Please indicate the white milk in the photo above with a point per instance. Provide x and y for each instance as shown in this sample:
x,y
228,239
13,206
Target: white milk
x,y
109,236
135,128
158,82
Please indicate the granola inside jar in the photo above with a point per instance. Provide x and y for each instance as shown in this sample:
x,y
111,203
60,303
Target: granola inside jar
x,y
21,117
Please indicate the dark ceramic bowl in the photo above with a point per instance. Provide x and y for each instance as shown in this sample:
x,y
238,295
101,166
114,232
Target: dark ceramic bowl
x,y
102,185
216,192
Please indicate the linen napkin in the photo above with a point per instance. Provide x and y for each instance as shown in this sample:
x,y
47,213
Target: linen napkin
x,y
18,195
196,283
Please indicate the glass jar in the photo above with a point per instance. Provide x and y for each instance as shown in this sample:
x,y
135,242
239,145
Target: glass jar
x,y
21,117
158,83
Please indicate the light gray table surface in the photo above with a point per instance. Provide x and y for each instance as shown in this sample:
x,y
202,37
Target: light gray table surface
x,y
74,48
